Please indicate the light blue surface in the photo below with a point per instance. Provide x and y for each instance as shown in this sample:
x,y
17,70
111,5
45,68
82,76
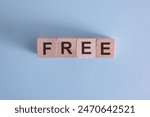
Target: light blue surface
x,y
24,76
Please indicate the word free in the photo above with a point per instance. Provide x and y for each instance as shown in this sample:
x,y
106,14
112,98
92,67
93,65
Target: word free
x,y
75,47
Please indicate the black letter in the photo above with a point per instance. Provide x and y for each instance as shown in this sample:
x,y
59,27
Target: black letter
x,y
102,48
44,47
16,110
85,47
67,109
67,48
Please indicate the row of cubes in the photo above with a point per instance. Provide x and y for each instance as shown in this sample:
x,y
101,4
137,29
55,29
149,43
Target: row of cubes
x,y
75,47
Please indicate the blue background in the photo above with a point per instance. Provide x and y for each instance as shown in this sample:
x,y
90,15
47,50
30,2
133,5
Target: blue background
x,y
24,76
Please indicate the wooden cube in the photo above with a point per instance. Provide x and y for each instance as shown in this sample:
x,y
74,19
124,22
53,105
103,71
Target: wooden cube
x,y
66,47
105,48
46,47
86,47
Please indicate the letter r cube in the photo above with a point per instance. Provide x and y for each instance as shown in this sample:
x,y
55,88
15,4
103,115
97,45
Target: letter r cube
x,y
66,47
